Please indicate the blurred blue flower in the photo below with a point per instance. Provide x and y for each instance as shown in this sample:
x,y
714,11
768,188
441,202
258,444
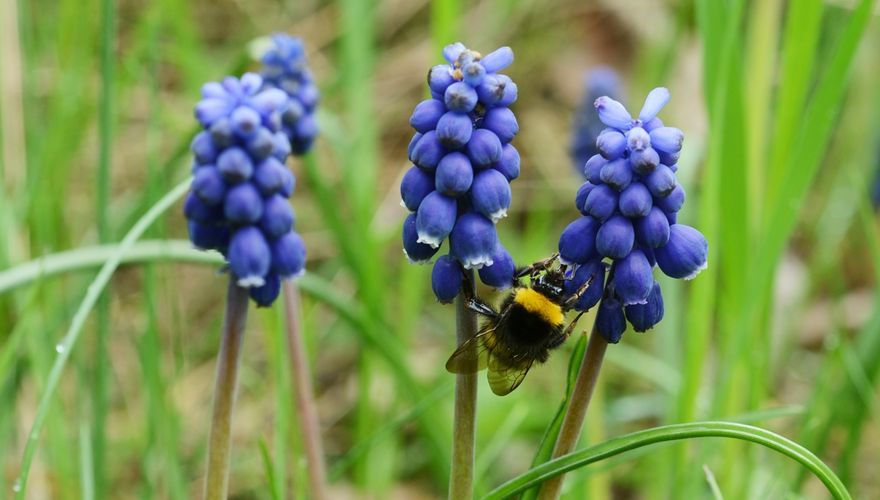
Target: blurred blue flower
x,y
240,189
600,81
629,208
463,163
285,67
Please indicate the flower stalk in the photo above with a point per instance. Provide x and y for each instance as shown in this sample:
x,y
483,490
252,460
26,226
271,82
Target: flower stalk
x,y
573,422
220,444
305,404
461,479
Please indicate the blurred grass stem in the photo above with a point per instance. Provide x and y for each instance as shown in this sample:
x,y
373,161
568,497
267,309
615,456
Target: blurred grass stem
x,y
305,403
219,446
577,409
461,477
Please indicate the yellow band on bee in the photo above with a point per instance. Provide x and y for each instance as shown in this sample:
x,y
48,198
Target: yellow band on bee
x,y
537,303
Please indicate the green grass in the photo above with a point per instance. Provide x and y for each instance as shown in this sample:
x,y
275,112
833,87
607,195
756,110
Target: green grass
x,y
779,156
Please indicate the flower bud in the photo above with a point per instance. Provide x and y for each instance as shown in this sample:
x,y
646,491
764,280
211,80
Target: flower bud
x,y
616,174
249,257
601,202
210,110
499,275
427,152
577,244
580,199
446,278
615,238
280,146
610,322
685,254
611,144
652,124
490,194
638,139
613,114
510,91
221,133
277,217
208,236
473,241
243,204
439,79
594,269
288,255
453,51
265,295
269,176
473,74
415,185
412,144
593,169
667,139
262,144
424,118
460,97
208,185
508,164
454,130
416,252
484,148
303,134
501,121
643,317
235,165
497,60
669,158
633,278
673,202
196,209
652,230
655,101
645,161
454,175
491,90
435,219
661,181
635,200
203,148
245,121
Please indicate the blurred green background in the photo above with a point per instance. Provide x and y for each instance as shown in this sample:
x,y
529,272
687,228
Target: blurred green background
x,y
779,105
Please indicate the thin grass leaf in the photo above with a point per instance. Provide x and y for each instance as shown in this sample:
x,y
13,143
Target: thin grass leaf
x,y
675,432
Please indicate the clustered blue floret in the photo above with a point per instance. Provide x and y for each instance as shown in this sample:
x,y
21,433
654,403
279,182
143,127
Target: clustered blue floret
x,y
285,67
459,185
629,209
600,81
238,204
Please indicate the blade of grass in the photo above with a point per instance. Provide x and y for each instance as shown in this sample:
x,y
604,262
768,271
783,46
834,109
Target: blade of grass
x,y
674,432
66,345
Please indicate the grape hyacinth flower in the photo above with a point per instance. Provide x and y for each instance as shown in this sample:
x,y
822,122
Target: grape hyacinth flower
x,y
238,204
600,81
629,207
458,187
285,67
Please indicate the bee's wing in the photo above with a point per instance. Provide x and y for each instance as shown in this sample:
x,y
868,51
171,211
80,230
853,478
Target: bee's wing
x,y
504,379
471,356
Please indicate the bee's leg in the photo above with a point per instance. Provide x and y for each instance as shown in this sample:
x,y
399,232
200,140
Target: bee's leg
x,y
570,327
474,303
576,296
535,268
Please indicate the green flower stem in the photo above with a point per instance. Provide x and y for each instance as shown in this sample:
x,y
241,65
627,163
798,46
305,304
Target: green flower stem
x,y
305,403
577,409
461,478
219,446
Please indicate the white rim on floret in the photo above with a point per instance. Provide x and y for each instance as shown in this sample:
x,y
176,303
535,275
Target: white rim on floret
x,y
251,281
695,273
477,262
427,239
498,215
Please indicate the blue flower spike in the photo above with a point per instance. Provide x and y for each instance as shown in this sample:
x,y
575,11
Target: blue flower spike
x,y
629,206
239,204
463,162
285,68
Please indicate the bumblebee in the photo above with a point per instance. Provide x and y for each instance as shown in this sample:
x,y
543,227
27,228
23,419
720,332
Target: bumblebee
x,y
530,323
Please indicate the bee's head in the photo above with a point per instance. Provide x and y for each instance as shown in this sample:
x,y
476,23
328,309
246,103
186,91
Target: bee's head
x,y
550,284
